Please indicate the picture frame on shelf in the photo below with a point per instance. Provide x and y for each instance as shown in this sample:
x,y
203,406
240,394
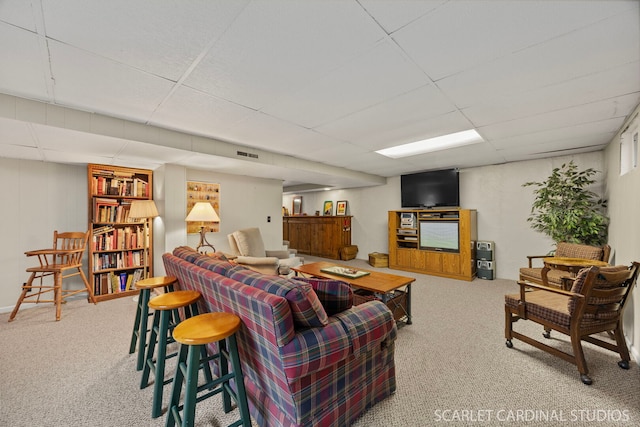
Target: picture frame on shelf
x,y
341,207
327,209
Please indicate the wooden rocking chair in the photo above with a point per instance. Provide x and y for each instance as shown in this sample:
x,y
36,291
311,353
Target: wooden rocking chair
x,y
594,305
62,261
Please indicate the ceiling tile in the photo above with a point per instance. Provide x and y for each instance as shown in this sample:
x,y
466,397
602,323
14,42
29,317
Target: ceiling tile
x,y
611,42
21,72
412,116
606,84
126,31
279,46
379,74
187,109
587,113
92,83
464,34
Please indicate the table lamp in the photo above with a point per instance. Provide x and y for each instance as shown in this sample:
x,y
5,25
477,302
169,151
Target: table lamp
x,y
143,210
203,212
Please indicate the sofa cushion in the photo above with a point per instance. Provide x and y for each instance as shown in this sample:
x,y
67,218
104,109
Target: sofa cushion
x,y
304,303
186,253
215,264
336,296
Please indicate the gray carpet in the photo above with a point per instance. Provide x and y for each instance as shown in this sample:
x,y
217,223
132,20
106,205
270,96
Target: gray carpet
x,y
452,368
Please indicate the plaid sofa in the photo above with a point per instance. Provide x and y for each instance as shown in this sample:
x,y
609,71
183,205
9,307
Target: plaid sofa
x,y
563,249
303,365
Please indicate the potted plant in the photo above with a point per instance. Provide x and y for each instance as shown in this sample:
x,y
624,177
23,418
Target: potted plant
x,y
566,210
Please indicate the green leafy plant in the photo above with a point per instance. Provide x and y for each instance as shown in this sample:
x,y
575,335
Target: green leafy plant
x,y
566,210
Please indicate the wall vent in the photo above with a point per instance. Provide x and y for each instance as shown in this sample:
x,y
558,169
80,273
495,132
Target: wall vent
x,y
245,154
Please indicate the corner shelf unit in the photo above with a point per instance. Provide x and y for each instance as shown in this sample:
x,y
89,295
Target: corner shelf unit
x,y
408,250
116,245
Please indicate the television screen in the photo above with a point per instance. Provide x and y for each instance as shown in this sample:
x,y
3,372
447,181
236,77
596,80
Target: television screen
x,y
430,189
439,236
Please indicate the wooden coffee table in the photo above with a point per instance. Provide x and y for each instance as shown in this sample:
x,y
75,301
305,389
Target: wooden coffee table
x,y
386,287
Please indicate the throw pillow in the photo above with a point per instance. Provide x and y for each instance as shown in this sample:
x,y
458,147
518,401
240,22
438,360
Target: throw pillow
x,y
304,303
336,296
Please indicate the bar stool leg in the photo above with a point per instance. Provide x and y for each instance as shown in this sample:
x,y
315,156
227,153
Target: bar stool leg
x,y
151,348
142,326
156,409
174,410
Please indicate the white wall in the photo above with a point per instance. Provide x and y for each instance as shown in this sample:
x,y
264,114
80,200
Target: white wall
x,y
244,202
37,198
624,231
496,192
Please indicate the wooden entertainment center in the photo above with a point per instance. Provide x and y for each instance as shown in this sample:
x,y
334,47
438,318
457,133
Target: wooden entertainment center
x,y
411,250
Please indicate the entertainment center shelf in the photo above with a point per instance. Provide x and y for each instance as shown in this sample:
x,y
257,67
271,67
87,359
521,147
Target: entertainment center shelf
x,y
440,242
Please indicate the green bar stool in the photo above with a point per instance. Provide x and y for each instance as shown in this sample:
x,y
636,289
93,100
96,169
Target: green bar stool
x,y
165,308
194,334
139,334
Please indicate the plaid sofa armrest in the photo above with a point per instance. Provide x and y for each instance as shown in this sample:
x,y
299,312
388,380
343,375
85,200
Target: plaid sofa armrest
x,y
313,349
368,325
352,332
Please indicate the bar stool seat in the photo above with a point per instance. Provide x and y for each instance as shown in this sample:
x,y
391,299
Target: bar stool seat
x,y
194,334
166,308
140,325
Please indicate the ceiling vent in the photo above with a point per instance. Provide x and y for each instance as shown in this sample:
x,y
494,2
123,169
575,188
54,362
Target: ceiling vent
x,y
245,154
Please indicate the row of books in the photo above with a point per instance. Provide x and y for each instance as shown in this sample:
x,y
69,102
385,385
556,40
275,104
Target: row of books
x,y
117,238
113,283
110,210
124,259
120,186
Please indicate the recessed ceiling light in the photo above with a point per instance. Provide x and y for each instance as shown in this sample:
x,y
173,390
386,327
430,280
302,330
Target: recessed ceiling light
x,y
444,142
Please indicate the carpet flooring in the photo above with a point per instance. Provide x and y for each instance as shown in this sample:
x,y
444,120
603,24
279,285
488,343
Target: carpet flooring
x,y
452,368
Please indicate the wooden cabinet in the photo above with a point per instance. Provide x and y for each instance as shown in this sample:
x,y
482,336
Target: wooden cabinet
x,y
440,242
321,236
116,246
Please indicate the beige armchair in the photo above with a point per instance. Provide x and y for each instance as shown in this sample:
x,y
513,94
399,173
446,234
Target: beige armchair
x,y
247,247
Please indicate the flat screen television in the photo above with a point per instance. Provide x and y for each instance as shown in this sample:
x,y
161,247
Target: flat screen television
x,y
430,189
439,236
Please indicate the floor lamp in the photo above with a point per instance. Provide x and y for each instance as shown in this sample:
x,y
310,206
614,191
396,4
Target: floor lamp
x,y
203,212
144,210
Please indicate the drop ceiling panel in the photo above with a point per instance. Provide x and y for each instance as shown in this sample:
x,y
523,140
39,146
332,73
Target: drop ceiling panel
x,y
21,72
594,132
400,119
63,140
609,43
279,46
128,31
483,31
15,132
393,15
188,109
606,84
90,82
20,152
587,113
19,13
379,74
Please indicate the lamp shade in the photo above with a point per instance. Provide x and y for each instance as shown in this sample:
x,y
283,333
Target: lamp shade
x,y
204,212
143,209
